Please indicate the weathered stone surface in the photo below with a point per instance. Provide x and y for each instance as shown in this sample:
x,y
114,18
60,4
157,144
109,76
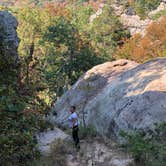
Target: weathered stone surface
x,y
45,140
97,153
88,86
8,38
133,22
135,100
130,11
98,12
161,7
120,95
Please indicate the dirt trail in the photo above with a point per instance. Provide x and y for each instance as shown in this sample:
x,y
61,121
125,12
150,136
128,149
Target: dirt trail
x,y
96,153
45,139
93,152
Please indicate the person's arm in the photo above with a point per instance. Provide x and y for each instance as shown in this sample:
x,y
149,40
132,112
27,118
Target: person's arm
x,y
74,120
65,120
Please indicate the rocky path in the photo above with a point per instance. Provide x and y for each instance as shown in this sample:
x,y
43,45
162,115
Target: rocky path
x,y
93,152
96,153
46,138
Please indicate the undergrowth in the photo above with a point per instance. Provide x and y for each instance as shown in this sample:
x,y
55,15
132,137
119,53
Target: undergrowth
x,y
147,148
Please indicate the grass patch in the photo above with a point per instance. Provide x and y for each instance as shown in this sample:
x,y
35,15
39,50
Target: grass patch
x,y
58,152
87,132
159,14
58,156
142,7
148,148
42,161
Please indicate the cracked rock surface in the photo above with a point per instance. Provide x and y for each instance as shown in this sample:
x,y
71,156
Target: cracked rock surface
x,y
119,95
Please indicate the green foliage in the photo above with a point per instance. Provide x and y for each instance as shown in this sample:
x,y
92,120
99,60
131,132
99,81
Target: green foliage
x,y
70,55
66,45
105,32
59,150
80,19
148,148
159,14
19,119
12,140
87,132
143,48
139,146
57,45
142,7
18,126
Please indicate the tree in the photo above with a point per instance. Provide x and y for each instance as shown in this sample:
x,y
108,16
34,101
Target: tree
x,y
70,55
143,48
106,32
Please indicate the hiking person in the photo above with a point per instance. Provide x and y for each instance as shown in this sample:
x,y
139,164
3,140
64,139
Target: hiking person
x,y
73,118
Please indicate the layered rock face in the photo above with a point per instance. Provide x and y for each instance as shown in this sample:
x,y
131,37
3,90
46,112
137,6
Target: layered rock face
x,y
8,38
120,95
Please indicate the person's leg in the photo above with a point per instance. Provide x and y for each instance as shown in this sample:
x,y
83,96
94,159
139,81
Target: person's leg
x,y
74,136
77,138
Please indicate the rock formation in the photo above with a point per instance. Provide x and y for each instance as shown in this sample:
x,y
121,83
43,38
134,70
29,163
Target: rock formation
x,y
89,85
98,12
45,139
8,38
161,7
128,17
120,95
94,152
133,22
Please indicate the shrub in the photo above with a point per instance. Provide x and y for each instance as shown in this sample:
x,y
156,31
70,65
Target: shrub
x,y
19,120
144,48
87,132
142,7
58,152
148,148
159,14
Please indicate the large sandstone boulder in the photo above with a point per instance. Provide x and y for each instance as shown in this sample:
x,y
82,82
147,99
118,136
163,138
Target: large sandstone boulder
x,y
8,39
120,95
88,87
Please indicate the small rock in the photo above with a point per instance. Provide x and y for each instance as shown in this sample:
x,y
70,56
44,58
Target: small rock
x,y
46,138
130,11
